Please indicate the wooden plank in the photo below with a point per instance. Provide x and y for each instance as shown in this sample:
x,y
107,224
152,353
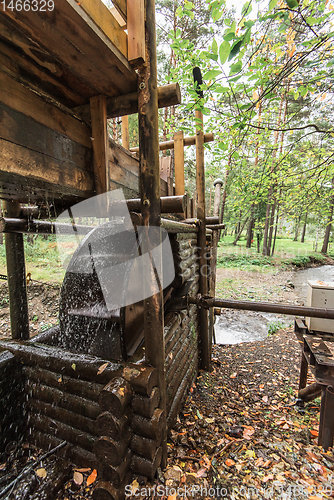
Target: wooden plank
x,y
37,176
20,129
121,7
104,19
118,17
179,162
18,97
32,63
98,111
72,38
125,132
136,32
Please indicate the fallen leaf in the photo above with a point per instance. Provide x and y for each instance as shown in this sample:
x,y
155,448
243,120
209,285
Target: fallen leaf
x,y
265,399
233,375
171,497
229,462
314,433
210,420
250,454
285,426
259,462
248,432
73,366
102,368
201,472
87,469
78,478
3,466
134,487
198,414
265,479
41,473
91,478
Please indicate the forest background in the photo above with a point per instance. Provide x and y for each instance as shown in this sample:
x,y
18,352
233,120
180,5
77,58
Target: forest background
x,y
268,99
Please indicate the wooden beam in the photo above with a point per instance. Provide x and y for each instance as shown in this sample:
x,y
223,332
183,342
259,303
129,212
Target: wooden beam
x,y
125,132
168,95
136,32
205,342
179,163
18,97
104,19
16,271
121,7
98,110
150,198
118,17
187,141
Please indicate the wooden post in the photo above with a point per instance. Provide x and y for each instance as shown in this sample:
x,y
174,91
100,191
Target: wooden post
x,y
16,272
150,199
205,341
179,162
98,110
125,132
136,32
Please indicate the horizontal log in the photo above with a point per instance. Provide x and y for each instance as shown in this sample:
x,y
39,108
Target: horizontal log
x,y
146,467
8,225
116,396
144,446
177,227
216,227
104,490
110,426
172,323
62,431
189,237
115,475
111,452
146,406
77,455
75,404
85,367
180,333
168,95
180,352
180,395
75,420
142,378
8,365
151,428
188,141
208,220
310,392
84,389
180,375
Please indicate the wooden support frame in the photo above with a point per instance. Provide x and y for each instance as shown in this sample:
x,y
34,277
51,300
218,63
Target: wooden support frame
x,y
179,162
16,271
98,109
136,32
187,141
150,197
205,341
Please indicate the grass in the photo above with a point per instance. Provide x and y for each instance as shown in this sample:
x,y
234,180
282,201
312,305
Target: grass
x,y
42,260
287,253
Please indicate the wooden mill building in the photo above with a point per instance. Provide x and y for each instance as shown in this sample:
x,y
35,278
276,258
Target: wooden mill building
x,y
65,69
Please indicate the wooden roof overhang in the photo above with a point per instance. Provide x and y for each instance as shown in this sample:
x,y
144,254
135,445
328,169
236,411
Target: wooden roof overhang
x,y
74,52
51,65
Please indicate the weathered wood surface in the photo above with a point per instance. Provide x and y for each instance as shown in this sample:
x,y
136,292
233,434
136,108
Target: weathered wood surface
x,y
88,390
151,428
104,490
136,32
98,111
115,474
111,426
57,360
168,95
143,446
110,451
146,467
115,397
146,406
69,36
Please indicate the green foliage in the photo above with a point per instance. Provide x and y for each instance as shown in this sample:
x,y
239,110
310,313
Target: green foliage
x,y
274,326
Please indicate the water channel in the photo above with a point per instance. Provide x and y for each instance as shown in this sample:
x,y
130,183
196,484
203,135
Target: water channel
x,y
235,326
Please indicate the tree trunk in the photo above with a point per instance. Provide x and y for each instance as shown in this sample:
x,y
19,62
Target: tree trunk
x,y
297,228
240,231
302,240
329,223
272,225
250,228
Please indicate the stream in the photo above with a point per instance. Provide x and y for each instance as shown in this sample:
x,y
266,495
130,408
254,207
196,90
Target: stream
x,y
236,326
